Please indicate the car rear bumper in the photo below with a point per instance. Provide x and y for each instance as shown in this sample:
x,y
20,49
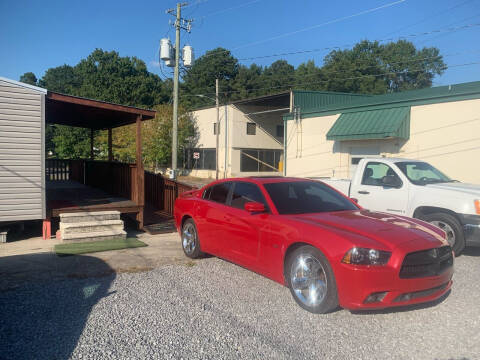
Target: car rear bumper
x,y
361,283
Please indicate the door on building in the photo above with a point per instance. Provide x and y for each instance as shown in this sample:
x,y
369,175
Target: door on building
x,y
357,153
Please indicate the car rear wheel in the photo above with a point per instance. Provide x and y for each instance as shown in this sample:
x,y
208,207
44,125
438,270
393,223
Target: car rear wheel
x,y
311,280
452,228
190,240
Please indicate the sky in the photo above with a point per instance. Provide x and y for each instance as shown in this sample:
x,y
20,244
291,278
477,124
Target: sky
x,y
37,35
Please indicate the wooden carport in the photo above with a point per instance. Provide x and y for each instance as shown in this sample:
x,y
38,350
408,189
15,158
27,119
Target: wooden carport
x,y
124,180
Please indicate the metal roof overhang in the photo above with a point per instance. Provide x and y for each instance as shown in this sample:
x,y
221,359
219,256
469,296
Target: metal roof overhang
x,y
372,125
87,113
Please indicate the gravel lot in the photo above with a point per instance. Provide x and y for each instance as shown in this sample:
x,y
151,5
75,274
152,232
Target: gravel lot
x,y
214,309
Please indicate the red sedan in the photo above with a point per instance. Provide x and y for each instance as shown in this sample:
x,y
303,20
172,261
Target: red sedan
x,y
323,246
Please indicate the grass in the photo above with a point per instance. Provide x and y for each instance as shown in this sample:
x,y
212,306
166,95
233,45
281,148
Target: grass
x,y
97,246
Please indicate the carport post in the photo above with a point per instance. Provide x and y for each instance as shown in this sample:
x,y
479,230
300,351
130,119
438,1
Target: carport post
x,y
140,172
110,153
92,157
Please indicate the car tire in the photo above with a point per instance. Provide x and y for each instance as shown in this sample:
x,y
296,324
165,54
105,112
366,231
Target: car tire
x,y
451,226
311,280
190,239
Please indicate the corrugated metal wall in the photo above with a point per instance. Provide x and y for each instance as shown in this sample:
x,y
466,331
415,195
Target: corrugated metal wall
x,y
22,181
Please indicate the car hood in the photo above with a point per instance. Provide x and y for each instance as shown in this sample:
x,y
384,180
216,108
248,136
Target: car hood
x,y
471,189
386,229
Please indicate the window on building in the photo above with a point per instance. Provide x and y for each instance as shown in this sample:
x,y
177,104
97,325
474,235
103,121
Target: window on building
x,y
251,128
200,159
259,160
280,131
215,128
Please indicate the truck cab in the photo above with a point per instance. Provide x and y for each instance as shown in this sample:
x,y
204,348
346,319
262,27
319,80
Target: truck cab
x,y
416,189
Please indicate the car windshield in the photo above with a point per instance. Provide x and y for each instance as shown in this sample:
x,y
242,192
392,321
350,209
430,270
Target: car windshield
x,y
303,197
421,173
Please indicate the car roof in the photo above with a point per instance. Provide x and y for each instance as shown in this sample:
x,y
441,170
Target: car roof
x,y
260,179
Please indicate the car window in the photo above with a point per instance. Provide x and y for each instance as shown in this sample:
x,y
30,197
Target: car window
x,y
244,192
219,192
206,193
421,173
304,197
375,172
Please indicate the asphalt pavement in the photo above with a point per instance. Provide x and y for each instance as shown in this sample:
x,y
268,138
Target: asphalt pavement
x,y
212,309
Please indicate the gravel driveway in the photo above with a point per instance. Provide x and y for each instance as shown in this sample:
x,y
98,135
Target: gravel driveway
x,y
214,309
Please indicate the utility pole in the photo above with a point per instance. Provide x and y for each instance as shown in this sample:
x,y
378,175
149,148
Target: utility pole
x,y
186,25
217,105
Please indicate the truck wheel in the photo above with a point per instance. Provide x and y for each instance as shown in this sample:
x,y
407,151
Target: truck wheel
x,y
452,228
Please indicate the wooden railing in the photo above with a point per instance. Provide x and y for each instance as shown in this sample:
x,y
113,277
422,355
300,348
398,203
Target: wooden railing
x,y
162,192
119,179
56,169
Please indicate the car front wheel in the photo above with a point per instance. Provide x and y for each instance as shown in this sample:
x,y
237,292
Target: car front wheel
x,y
311,280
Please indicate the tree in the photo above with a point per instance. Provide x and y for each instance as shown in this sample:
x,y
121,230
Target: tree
x,y
248,82
71,142
200,78
158,143
29,78
109,77
309,77
373,68
277,77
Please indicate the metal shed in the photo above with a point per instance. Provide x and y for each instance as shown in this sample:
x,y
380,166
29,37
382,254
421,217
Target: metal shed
x,y
22,151
33,187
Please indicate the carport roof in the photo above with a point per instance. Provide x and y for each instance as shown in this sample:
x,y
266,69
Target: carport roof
x,y
88,113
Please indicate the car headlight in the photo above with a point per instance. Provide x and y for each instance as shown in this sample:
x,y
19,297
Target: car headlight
x,y
364,256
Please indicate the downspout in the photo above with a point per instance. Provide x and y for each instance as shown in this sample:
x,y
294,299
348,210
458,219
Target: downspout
x,y
285,122
226,152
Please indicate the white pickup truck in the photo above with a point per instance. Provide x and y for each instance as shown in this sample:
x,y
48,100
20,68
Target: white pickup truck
x,y
416,189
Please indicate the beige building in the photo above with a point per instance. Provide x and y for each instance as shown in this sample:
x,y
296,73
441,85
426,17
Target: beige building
x,y
251,134
250,138
440,125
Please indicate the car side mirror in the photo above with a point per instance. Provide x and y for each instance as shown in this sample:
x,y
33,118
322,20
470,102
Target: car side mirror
x,y
391,181
254,207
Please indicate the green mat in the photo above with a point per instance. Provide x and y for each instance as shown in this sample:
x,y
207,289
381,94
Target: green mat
x,y
96,246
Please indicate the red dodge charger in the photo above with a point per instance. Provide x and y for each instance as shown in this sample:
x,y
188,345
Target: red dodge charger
x,y
322,245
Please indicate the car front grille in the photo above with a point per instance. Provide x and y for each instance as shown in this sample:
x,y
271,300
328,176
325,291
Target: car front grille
x,y
426,263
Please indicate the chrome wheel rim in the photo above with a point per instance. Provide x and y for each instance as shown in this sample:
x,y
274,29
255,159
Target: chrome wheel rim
x,y
308,280
189,238
448,230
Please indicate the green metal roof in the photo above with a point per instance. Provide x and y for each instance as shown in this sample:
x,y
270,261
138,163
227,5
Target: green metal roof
x,y
312,100
373,124
439,94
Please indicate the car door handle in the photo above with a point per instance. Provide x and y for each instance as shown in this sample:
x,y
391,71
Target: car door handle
x,y
364,192
227,217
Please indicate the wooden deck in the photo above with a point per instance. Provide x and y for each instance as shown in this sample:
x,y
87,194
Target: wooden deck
x,y
66,196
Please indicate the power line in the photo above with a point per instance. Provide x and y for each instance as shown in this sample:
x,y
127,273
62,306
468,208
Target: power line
x,y
431,16
320,25
339,79
230,8
452,29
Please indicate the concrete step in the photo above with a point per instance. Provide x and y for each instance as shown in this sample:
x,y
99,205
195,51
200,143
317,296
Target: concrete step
x,y
84,217
91,226
95,236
